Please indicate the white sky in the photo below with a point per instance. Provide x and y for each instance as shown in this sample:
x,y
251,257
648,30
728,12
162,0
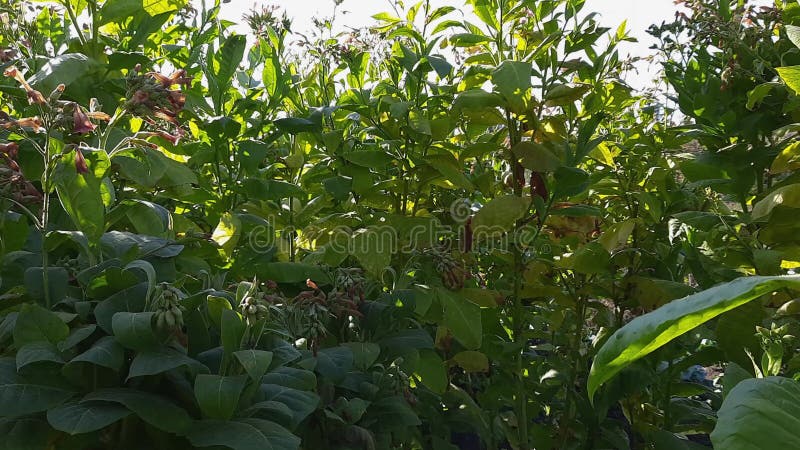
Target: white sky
x,y
640,14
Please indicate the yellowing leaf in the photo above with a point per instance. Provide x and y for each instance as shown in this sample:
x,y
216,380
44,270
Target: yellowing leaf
x,y
227,233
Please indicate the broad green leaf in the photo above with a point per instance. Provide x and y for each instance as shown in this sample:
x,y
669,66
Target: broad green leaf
x,y
450,169
301,403
80,193
562,95
19,399
334,362
160,361
536,157
468,39
85,417
131,299
135,330
63,69
218,395
759,414
156,7
301,379
35,352
793,32
57,283
472,361
462,317
36,324
512,79
364,353
477,98
227,233
287,272
787,196
76,336
791,76
373,248
232,331
255,362
759,93
106,352
432,371
649,332
788,159
393,412
499,216
243,434
617,235
156,410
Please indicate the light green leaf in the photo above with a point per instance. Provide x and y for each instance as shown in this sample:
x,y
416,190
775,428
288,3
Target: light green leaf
x,y
227,233
512,79
472,361
80,193
791,76
759,414
134,330
499,215
649,332
462,317
218,395
255,362
787,196
36,324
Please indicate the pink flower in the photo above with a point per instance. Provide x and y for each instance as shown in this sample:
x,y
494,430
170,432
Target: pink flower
x,y
80,162
80,121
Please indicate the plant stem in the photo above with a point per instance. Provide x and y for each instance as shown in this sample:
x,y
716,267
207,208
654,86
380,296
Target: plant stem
x,y
74,19
45,220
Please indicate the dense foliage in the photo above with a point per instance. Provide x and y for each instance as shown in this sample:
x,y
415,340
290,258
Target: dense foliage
x,y
430,233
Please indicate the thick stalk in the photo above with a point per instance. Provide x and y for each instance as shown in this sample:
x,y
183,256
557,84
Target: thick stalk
x,y
74,19
45,220
518,314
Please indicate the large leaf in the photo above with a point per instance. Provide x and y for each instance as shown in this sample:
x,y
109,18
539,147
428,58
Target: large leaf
x,y
462,317
301,403
63,69
218,395
255,362
647,333
106,352
36,324
512,79
19,399
245,434
156,410
85,417
759,414
155,362
135,330
499,215
80,193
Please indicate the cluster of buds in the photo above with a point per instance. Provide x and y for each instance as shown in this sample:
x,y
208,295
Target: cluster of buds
x,y
71,265
773,340
169,312
68,116
150,96
260,21
348,293
308,313
13,184
453,273
254,307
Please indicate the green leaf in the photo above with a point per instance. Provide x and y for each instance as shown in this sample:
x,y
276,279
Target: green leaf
x,y
788,159
432,371
462,317
472,361
57,283
288,272
649,332
759,93
157,7
218,395
154,409
291,377
135,330
536,157
372,248
63,69
563,95
160,361
512,79
255,362
106,352
364,353
793,32
35,352
334,362
80,193
393,412
244,434
787,196
301,403
233,329
36,324
227,233
791,76
477,98
759,414
85,417
131,299
19,399
499,215
450,169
